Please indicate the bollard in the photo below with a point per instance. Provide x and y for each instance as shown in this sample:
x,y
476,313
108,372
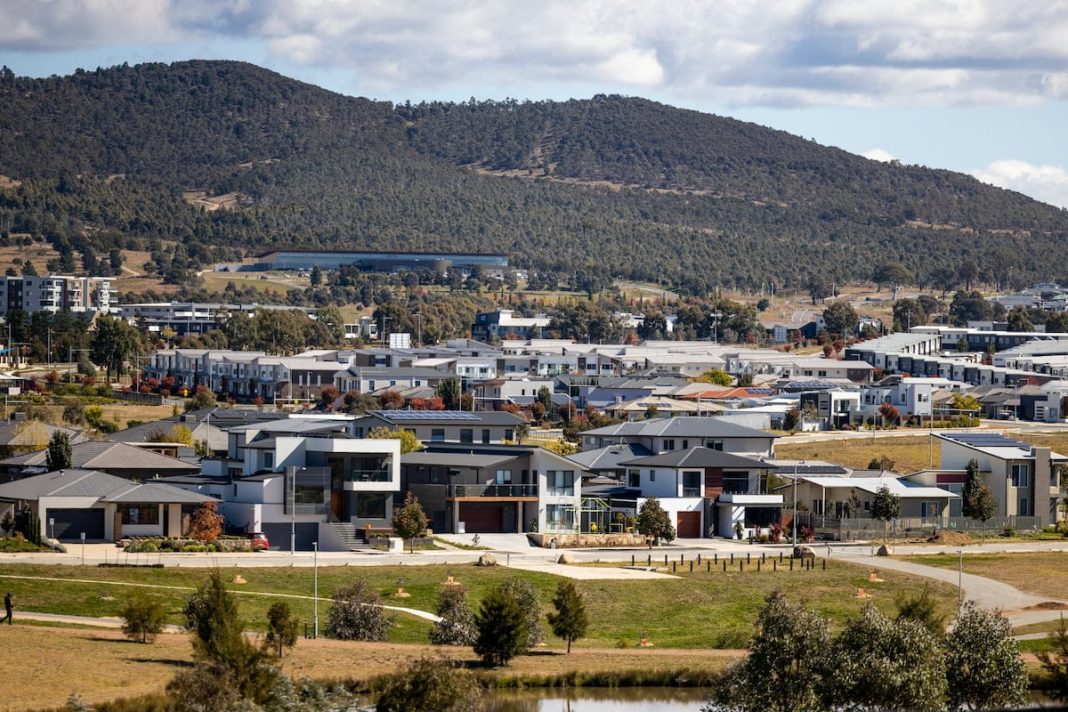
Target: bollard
x,y
649,560
672,567
682,558
791,563
715,558
724,566
632,560
774,565
732,558
698,559
825,564
741,566
780,557
748,557
763,557
691,566
665,560
708,566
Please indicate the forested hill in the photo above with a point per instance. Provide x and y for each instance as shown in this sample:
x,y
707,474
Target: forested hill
x,y
623,187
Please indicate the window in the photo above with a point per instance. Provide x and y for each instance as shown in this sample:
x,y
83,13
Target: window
x,y
1021,472
652,475
736,482
268,460
437,435
691,484
669,444
634,479
1023,507
135,514
467,436
559,516
714,444
685,444
509,434
504,477
561,482
371,505
485,436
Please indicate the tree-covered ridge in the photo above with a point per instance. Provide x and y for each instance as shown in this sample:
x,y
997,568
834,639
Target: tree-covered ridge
x,y
104,158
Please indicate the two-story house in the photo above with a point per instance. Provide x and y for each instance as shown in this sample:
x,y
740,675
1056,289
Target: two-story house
x,y
445,426
660,435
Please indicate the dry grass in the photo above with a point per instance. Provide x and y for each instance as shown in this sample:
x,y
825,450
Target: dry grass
x,y
909,453
39,253
1043,574
101,665
121,413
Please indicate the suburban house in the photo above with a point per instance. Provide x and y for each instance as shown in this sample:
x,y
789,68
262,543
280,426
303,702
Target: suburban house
x,y
834,407
503,324
1022,477
445,426
119,459
850,496
660,435
308,476
909,396
706,492
103,507
640,408
496,488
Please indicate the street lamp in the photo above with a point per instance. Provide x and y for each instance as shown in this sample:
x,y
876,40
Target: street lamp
x,y
315,569
793,520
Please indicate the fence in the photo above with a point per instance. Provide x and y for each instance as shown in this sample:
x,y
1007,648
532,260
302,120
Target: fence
x,y
545,434
838,529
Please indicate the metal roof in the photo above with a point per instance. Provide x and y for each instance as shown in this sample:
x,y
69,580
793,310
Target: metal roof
x,y
95,485
105,455
680,427
699,457
449,459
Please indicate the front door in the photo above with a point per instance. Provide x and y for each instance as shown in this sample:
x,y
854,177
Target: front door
x,y
337,504
508,518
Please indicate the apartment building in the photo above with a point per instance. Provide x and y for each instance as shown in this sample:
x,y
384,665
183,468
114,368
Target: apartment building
x,y
55,293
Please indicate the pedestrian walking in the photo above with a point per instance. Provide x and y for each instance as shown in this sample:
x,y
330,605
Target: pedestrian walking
x,y
9,608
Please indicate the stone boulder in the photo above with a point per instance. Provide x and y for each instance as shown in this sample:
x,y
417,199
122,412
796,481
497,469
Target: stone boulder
x,y
803,552
487,560
884,550
565,558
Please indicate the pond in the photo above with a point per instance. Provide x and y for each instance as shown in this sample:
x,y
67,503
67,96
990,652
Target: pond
x,y
599,699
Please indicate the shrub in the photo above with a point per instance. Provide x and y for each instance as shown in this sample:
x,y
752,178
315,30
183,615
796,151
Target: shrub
x,y
357,614
142,617
457,624
429,686
206,525
525,596
281,628
501,628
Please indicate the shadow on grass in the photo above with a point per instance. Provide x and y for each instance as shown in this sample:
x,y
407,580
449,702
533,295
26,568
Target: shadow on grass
x,y
171,662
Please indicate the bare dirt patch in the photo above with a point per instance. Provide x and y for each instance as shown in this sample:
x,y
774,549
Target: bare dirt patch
x,y
951,539
211,203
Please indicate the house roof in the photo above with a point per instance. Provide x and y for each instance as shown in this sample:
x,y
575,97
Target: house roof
x,y
996,445
902,488
448,417
699,457
680,427
449,459
610,457
94,484
106,455
28,433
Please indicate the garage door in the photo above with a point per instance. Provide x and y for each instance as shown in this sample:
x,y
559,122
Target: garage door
x,y
70,523
482,518
688,525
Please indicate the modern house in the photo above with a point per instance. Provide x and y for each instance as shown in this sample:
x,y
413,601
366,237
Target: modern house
x,y
305,475
706,492
1022,477
502,324
660,435
496,488
445,426
103,507
851,495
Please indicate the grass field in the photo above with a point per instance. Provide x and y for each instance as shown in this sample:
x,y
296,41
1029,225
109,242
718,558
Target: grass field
x,y
102,665
699,610
1043,574
910,453
122,413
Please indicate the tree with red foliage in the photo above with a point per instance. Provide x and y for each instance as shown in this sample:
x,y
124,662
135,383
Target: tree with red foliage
x,y
391,400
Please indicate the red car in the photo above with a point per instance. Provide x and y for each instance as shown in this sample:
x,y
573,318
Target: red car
x,y
259,541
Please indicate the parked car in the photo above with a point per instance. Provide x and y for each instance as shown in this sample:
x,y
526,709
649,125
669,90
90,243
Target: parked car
x,y
259,541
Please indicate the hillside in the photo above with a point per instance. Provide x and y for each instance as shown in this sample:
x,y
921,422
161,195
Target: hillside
x,y
201,161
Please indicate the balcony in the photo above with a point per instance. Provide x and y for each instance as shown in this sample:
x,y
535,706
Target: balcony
x,y
378,475
493,490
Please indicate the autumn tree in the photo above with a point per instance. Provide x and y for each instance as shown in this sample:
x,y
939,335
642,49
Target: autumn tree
x,y
410,521
206,524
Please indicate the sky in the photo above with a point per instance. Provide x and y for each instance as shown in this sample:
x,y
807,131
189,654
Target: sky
x,y
978,86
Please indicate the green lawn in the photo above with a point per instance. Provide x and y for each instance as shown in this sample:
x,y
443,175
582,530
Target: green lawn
x,y
699,610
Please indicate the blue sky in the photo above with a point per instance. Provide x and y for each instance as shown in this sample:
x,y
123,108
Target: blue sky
x,y
979,86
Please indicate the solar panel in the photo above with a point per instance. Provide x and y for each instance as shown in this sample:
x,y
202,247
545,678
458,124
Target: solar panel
x,y
989,440
438,415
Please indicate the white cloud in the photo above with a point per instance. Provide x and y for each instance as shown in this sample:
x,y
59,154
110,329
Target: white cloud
x,y
1046,183
879,154
743,52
